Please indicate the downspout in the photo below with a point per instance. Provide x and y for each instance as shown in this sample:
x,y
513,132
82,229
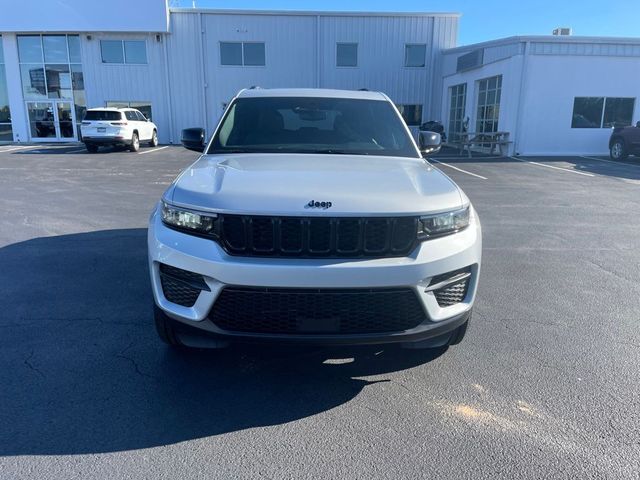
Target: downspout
x,y
167,80
204,77
318,51
523,76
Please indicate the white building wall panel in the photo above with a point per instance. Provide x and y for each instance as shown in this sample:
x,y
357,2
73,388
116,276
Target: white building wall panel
x,y
445,35
381,50
552,84
185,72
612,49
289,55
124,82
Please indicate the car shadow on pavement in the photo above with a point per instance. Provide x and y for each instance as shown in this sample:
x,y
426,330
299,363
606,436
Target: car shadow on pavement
x,y
82,370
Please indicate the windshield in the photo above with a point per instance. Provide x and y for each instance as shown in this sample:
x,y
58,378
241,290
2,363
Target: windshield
x,y
313,125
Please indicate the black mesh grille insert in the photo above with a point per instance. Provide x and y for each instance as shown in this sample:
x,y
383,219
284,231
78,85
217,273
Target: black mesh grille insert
x,y
179,292
317,237
181,286
300,311
452,293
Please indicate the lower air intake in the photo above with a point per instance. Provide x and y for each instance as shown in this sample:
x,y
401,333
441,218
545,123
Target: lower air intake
x,y
316,311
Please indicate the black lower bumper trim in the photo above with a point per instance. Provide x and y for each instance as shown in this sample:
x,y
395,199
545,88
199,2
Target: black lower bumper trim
x,y
425,331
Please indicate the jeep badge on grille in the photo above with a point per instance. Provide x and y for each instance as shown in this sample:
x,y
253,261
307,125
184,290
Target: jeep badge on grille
x,y
314,204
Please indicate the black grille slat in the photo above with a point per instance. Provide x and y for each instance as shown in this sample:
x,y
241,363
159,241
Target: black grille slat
x,y
318,237
300,311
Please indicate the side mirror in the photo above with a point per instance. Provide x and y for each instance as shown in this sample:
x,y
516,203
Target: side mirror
x,y
429,142
638,124
193,139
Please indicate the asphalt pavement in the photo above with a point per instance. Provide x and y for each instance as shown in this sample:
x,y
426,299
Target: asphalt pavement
x,y
546,383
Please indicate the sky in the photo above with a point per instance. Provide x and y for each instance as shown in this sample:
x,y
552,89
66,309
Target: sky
x,y
481,20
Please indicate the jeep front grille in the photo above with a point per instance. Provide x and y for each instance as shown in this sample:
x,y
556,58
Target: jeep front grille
x,y
316,311
318,236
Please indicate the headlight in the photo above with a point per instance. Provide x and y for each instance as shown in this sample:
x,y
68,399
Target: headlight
x,y
443,223
188,220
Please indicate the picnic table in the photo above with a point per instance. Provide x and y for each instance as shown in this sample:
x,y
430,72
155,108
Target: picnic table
x,y
492,139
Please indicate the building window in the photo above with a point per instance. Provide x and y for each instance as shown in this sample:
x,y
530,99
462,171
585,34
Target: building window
x,y
489,92
6,132
601,112
412,114
457,107
51,68
248,54
415,55
124,51
143,107
346,54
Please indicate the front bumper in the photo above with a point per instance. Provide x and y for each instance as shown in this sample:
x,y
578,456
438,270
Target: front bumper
x,y
205,257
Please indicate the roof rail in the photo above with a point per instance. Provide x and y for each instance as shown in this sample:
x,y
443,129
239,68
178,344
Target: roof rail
x,y
255,87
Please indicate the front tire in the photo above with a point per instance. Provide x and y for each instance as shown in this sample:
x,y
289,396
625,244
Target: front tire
x,y
91,148
165,328
154,139
618,150
135,142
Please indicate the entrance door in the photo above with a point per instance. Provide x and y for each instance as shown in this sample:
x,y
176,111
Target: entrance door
x,y
52,120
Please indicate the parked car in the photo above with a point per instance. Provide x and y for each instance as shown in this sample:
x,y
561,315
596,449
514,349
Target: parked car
x,y
117,126
624,141
312,217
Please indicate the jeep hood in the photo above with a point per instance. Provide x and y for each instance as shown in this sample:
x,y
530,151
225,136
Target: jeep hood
x,y
284,184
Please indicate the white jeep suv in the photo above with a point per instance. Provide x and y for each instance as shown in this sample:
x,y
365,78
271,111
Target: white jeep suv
x,y
312,217
117,126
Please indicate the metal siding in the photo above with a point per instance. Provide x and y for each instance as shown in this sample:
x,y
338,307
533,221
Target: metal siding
x,y
292,46
185,73
104,82
381,42
609,49
289,55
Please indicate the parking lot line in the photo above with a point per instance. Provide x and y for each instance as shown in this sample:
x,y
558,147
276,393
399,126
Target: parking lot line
x,y
458,169
610,161
554,167
153,150
18,148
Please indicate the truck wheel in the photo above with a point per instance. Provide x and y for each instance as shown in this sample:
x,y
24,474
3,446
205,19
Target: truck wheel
x,y
135,143
164,328
91,148
618,150
154,139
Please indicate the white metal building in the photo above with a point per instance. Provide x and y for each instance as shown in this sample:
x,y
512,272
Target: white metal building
x,y
181,66
554,95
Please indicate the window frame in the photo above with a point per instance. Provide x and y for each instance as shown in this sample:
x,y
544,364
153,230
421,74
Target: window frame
x,y
406,55
497,102
242,56
357,65
601,125
401,106
8,123
124,51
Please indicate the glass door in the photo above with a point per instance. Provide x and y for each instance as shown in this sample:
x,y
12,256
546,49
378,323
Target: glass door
x,y
42,125
66,122
51,121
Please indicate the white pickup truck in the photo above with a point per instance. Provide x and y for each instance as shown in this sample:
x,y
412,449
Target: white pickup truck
x,y
313,217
